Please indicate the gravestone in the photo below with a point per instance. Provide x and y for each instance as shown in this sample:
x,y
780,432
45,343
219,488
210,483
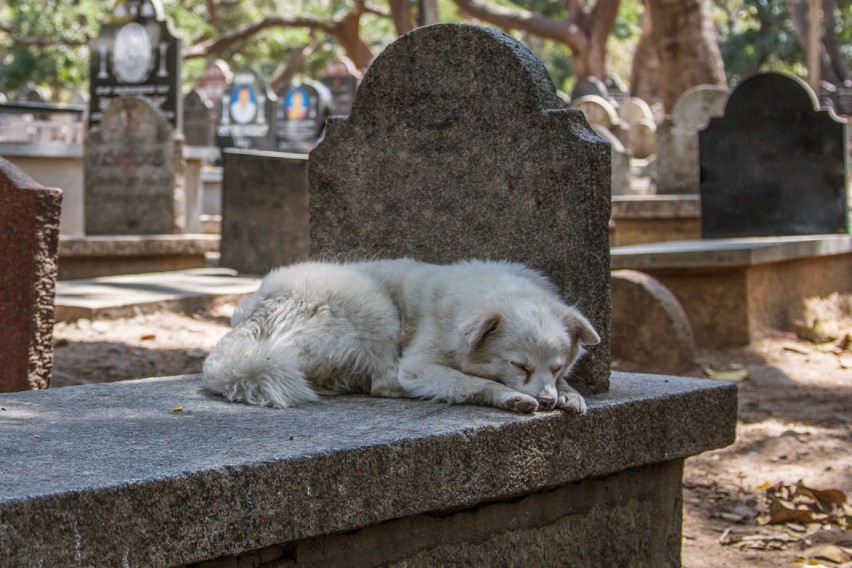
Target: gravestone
x,y
246,113
134,178
589,86
136,54
643,130
264,210
198,121
300,116
616,88
599,111
341,77
29,237
217,76
677,138
774,169
479,161
32,93
620,176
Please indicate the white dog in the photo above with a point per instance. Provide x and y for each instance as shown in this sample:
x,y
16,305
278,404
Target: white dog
x,y
476,332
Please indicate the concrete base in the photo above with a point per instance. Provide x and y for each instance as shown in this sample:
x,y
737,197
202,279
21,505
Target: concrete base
x,y
179,476
655,218
734,289
93,256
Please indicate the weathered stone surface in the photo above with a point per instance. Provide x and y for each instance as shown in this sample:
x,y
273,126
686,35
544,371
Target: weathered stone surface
x,y
649,326
774,164
628,518
678,169
640,219
134,178
265,220
218,478
29,232
199,119
620,165
477,161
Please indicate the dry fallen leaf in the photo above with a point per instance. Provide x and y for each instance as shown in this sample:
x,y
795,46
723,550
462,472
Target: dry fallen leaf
x,y
148,337
730,375
177,409
830,552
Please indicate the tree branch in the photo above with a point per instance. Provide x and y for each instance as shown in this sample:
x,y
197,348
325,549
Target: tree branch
x,y
218,44
562,31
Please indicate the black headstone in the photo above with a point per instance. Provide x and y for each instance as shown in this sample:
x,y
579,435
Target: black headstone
x,y
589,86
198,119
136,54
773,164
246,113
300,116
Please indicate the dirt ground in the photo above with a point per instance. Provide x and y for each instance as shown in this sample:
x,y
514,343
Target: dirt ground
x,y
795,424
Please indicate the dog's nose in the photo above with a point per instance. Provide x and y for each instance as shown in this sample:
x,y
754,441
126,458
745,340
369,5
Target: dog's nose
x,y
546,402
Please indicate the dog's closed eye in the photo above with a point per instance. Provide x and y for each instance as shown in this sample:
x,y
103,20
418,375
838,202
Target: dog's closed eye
x,y
524,368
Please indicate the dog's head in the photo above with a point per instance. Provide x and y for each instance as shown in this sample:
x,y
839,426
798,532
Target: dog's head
x,y
525,345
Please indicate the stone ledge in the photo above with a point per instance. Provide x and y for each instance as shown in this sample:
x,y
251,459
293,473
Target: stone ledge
x,y
133,245
719,253
219,479
656,207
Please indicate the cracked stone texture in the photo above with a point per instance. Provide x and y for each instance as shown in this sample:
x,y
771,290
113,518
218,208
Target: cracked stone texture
x,y
217,479
456,148
29,236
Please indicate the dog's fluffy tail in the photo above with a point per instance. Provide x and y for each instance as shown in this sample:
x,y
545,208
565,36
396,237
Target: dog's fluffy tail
x,y
259,371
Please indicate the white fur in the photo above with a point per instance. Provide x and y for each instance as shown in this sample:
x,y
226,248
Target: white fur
x,y
476,332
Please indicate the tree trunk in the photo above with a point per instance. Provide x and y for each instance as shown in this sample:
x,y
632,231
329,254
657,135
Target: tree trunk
x,y
645,68
348,35
687,46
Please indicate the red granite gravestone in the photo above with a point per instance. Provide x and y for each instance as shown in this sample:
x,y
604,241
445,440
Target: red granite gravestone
x,y
29,237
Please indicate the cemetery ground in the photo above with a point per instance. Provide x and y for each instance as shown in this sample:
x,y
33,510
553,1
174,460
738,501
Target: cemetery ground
x,y
794,425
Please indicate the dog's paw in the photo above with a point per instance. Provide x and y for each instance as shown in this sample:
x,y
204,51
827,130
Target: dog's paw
x,y
520,403
571,401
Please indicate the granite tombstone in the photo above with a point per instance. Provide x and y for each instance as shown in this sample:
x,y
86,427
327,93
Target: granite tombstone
x,y
136,54
198,124
246,113
478,161
300,116
29,237
774,169
589,86
134,177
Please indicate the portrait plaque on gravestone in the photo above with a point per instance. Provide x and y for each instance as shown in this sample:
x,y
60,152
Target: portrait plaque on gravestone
x,y
136,54
301,114
774,164
246,112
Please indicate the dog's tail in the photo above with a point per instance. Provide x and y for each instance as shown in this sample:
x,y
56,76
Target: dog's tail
x,y
257,370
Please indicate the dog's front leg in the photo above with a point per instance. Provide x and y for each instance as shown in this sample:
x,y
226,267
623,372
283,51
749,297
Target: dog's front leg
x,y
437,382
568,398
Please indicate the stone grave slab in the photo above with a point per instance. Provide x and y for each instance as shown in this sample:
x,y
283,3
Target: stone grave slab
x,y
479,161
774,164
134,177
29,233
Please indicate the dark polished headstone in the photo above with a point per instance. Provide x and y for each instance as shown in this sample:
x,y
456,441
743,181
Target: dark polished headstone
x,y
136,54
774,164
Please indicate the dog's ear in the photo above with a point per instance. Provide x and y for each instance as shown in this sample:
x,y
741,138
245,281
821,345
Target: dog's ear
x,y
578,326
478,327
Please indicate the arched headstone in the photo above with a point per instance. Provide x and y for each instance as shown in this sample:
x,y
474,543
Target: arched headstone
x,y
300,116
478,161
246,113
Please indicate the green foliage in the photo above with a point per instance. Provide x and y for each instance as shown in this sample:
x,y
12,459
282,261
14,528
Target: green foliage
x,y
757,35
